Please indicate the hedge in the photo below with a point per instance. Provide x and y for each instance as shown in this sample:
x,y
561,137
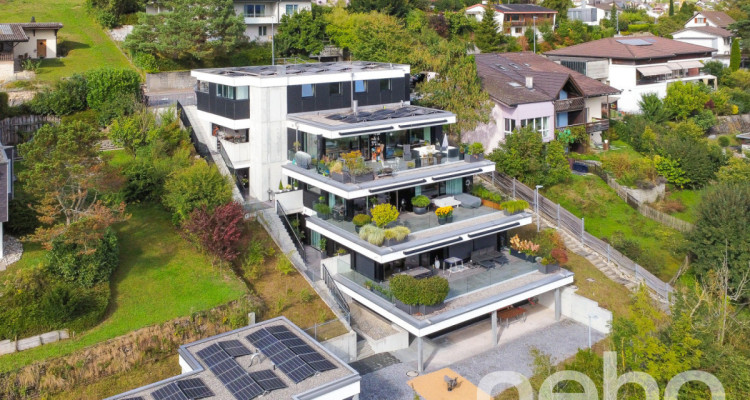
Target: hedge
x,y
411,291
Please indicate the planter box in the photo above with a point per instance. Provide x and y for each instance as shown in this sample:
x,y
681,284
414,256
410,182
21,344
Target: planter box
x,y
393,242
475,158
442,221
522,256
370,176
419,309
549,268
420,210
491,204
340,177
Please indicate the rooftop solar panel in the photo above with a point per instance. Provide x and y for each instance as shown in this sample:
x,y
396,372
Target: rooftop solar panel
x,y
267,380
244,388
133,398
5,29
296,369
194,388
303,349
169,392
235,348
322,365
634,42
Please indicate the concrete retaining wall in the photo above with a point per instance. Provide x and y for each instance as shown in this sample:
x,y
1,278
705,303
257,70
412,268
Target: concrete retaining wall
x,y
169,81
578,308
344,346
8,346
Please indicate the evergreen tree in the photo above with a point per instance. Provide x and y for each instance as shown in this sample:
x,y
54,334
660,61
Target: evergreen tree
x,y
671,8
613,17
734,56
487,36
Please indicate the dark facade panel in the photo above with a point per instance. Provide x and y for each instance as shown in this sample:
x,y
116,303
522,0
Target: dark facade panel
x,y
232,109
324,100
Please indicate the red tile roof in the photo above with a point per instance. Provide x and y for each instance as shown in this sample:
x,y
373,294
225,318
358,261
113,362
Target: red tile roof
x,y
633,48
15,32
719,18
711,30
504,75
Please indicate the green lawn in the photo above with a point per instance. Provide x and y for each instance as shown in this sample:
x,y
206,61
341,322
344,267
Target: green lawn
x,y
608,216
161,277
690,199
88,45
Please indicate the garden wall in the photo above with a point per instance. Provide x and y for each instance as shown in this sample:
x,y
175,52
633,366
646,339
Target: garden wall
x,y
579,308
731,124
169,81
12,346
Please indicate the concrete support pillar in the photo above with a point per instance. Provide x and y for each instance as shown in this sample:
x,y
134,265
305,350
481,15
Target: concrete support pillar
x,y
419,355
494,328
558,304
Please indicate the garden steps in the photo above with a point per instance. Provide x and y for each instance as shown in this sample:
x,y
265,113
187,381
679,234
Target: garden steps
x,y
364,349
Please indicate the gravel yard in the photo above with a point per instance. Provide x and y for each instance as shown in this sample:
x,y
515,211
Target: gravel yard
x,y
560,340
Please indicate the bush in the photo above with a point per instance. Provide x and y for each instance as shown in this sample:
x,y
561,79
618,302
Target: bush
x,y
114,108
106,84
420,201
88,117
217,231
322,208
723,141
483,193
256,254
198,185
476,148
85,267
146,62
514,206
404,288
3,105
22,219
283,264
372,234
384,214
361,220
398,233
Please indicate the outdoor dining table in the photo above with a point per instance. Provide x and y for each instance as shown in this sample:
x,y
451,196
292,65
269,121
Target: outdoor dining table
x,y
454,264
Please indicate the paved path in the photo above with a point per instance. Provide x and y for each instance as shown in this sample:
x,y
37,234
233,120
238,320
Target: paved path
x,y
560,340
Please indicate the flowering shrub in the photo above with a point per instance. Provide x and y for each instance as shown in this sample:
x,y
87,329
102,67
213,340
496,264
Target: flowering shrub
x,y
444,212
384,214
524,246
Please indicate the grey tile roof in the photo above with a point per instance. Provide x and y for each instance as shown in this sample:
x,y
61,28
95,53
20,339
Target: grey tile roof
x,y
504,75
720,18
522,8
711,30
618,48
14,32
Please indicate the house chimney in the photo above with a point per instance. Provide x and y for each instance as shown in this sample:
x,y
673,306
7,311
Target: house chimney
x,y
529,82
355,104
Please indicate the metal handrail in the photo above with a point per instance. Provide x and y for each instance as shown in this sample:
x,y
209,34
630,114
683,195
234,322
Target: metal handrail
x,y
337,295
297,242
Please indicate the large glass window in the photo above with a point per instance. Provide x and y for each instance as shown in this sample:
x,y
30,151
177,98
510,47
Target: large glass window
x,y
202,86
291,9
255,10
231,92
308,90
360,86
540,125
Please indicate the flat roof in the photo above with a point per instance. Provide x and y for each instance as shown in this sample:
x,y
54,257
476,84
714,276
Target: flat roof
x,y
337,376
368,120
268,71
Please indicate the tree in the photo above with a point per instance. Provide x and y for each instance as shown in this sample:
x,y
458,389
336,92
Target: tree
x,y
653,108
131,132
69,262
302,33
671,8
524,156
487,36
217,231
741,28
64,172
715,68
192,31
722,231
557,164
371,37
561,6
685,99
196,186
735,57
396,8
700,160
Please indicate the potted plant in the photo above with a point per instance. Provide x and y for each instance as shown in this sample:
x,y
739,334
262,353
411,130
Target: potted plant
x,y
372,234
410,165
439,157
476,152
443,213
553,261
384,214
420,204
398,153
461,150
322,245
360,220
336,169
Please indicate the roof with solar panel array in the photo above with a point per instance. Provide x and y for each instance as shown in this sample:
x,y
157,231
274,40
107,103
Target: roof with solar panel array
x,y
273,359
313,68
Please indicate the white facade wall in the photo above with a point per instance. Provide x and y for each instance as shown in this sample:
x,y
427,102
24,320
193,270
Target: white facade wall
x,y
722,45
270,21
29,49
698,20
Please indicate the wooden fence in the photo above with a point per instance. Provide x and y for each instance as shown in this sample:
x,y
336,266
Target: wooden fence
x,y
643,208
10,128
567,221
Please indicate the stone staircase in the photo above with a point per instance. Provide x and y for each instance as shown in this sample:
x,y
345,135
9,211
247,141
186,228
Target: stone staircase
x,y
364,350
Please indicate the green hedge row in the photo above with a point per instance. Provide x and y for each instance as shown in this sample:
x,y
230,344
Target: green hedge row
x,y
411,291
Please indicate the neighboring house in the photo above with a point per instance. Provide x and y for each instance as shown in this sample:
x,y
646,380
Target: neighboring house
x,y
717,19
717,38
295,124
530,90
262,17
270,360
19,41
589,14
639,65
515,19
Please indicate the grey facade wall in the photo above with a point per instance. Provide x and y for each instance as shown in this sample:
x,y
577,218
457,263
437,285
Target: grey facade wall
x,y
169,81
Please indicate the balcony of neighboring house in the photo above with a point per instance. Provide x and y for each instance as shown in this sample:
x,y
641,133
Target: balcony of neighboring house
x,y
526,21
672,71
570,104
259,14
597,125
